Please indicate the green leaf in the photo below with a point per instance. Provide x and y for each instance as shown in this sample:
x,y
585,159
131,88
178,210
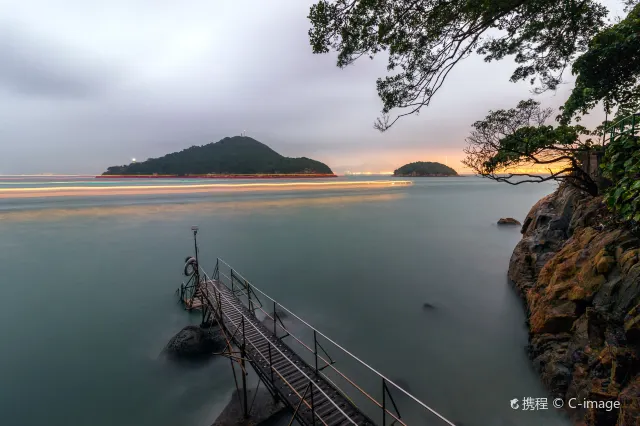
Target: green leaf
x,y
617,194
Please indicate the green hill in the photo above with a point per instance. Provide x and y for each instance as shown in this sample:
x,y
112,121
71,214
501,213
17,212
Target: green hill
x,y
425,168
236,155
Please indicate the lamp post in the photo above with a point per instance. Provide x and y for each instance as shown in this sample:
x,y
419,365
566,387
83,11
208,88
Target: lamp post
x,y
203,307
194,228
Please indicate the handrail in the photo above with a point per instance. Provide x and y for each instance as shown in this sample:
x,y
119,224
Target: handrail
x,y
271,344
422,404
188,290
616,123
610,131
289,333
327,363
244,317
330,365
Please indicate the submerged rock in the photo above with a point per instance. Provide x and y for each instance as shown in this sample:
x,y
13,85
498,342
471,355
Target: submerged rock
x,y
400,382
264,410
282,318
195,342
508,221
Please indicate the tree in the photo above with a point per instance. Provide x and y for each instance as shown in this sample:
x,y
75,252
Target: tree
x,y
508,140
236,155
425,39
424,168
609,71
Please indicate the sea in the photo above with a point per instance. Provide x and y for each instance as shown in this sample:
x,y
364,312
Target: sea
x,y
409,278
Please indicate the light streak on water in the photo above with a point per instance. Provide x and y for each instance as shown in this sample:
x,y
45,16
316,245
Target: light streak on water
x,y
71,191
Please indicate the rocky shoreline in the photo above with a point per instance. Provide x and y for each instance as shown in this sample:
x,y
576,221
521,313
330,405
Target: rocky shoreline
x,y
579,278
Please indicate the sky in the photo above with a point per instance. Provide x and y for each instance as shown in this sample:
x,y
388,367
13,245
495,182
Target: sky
x,y
87,85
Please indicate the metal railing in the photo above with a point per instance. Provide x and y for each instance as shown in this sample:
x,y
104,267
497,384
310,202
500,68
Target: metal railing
x,y
317,356
629,125
188,289
246,321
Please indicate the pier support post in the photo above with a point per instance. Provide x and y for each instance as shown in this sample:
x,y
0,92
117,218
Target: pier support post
x,y
244,372
313,407
275,330
315,350
384,403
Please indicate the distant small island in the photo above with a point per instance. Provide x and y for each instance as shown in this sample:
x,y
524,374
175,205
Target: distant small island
x,y
238,156
424,168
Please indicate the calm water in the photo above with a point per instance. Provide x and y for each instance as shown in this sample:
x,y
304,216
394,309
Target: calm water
x,y
87,296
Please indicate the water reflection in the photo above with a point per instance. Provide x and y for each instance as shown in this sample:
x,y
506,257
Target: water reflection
x,y
150,210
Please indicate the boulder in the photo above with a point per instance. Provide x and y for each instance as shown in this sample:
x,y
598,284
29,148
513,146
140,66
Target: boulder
x,y
508,221
195,342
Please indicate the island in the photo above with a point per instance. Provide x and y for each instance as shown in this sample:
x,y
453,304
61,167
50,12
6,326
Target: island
x,y
231,157
424,168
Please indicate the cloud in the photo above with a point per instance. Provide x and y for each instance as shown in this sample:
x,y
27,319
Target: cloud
x,y
33,67
87,85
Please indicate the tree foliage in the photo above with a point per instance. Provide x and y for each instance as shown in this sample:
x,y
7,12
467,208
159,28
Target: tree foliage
x,y
630,4
609,71
507,141
425,39
622,168
237,155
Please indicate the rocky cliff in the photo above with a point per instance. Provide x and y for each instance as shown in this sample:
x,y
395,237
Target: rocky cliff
x,y
579,277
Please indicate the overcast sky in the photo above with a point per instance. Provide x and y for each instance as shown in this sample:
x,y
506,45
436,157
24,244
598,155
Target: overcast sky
x,y
85,85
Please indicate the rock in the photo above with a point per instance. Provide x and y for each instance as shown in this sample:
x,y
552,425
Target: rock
x,y
508,221
557,378
630,403
264,410
400,382
544,233
282,314
599,416
195,342
632,325
604,264
557,317
579,277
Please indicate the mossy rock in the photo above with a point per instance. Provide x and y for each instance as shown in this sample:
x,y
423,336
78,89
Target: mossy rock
x,y
604,264
628,260
630,404
632,325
